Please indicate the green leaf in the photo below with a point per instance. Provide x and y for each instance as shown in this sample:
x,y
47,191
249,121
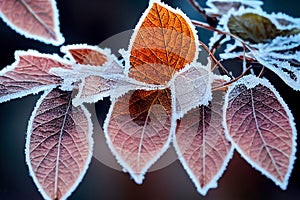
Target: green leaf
x,y
255,28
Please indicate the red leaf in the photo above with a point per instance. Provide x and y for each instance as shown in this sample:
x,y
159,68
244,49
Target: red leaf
x,y
261,127
164,42
59,144
87,55
137,129
201,144
29,74
36,19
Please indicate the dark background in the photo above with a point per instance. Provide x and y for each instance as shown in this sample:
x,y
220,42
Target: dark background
x,y
92,22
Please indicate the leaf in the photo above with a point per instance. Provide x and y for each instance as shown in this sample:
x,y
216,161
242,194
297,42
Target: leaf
x,y
29,74
164,41
201,145
256,28
137,129
94,88
221,7
87,55
58,145
36,19
100,74
261,127
192,87
281,56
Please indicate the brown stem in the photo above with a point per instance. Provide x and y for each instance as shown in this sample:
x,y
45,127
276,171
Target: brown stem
x,y
233,80
208,27
215,60
212,21
217,44
261,72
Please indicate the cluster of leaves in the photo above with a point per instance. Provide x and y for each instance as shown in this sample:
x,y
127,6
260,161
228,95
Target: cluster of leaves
x,y
162,95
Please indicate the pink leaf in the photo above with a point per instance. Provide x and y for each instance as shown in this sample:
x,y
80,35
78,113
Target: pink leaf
x,y
36,19
138,128
59,144
29,74
261,127
201,144
92,89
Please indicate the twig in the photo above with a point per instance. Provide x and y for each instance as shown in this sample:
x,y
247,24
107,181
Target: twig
x,y
233,80
198,8
208,27
212,21
244,57
217,44
215,60
261,72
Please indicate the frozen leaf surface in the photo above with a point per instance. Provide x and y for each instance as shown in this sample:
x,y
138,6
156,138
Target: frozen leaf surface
x,y
201,144
164,41
220,7
99,72
29,74
137,129
59,144
261,127
86,54
255,28
36,19
192,87
281,56
274,41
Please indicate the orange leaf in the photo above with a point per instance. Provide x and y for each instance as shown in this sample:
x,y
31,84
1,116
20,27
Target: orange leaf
x,y
164,42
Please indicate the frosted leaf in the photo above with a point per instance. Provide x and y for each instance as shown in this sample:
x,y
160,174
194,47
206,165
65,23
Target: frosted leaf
x,y
201,144
58,145
261,127
30,74
275,45
137,129
192,87
36,19
164,42
256,28
220,7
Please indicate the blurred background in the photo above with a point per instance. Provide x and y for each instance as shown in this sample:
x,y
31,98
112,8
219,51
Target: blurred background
x,y
92,22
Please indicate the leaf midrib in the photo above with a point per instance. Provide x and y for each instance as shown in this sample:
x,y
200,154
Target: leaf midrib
x,y
52,34
59,147
262,138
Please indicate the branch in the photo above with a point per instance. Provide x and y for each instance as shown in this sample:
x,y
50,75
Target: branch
x,y
212,21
